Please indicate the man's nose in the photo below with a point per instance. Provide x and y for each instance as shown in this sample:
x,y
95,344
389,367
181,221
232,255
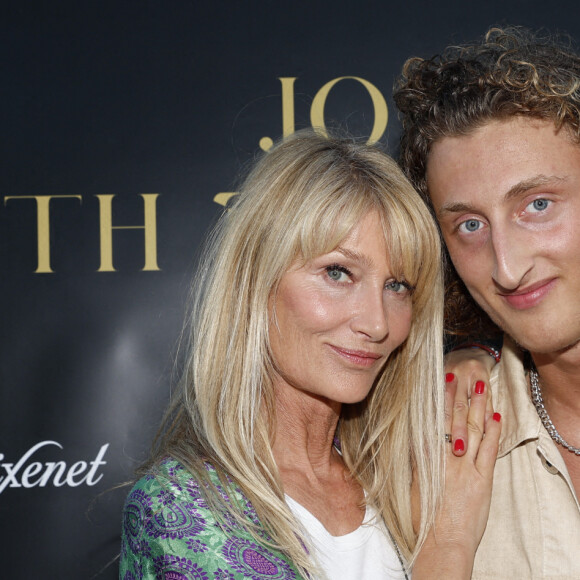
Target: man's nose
x,y
513,255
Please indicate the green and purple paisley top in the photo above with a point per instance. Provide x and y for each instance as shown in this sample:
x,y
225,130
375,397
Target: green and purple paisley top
x,y
170,533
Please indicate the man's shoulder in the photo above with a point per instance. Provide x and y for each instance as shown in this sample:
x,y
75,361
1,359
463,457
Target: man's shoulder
x,y
511,398
509,374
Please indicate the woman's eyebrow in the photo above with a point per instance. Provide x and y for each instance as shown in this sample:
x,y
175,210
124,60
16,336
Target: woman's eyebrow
x,y
355,256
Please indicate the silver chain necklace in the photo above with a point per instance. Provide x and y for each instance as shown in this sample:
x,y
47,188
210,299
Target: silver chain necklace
x,y
403,569
543,414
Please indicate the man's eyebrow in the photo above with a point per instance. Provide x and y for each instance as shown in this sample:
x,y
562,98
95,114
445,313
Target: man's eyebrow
x,y
455,207
516,190
536,181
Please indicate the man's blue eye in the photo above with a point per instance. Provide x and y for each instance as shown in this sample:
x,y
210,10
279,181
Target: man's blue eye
x,y
540,204
471,225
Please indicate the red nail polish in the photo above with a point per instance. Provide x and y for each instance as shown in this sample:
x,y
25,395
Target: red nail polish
x,y
479,387
449,377
497,417
459,445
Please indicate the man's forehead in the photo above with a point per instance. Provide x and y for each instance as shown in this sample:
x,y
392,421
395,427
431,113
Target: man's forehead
x,y
500,160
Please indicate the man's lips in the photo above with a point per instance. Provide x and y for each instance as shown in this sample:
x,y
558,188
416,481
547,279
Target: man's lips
x,y
530,296
359,357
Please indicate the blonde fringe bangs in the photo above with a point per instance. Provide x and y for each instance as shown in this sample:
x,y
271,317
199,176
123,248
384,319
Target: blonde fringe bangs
x,y
406,404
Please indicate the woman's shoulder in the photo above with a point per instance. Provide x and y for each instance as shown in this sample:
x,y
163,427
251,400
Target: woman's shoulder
x,y
169,485
166,481
168,525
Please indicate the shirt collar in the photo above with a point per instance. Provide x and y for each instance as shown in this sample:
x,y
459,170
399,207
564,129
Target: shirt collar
x,y
511,398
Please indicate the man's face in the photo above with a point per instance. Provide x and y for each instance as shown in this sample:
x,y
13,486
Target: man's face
x,y
507,197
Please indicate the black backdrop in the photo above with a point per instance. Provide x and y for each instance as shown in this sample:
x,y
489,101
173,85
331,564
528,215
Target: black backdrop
x,y
117,114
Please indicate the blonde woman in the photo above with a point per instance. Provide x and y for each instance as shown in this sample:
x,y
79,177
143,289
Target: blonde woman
x,y
311,396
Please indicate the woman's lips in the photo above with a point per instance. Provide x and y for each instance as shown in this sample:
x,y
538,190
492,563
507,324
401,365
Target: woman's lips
x,y
530,296
358,357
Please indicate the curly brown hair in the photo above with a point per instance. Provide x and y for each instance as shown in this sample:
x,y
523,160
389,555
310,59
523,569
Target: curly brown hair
x,y
513,71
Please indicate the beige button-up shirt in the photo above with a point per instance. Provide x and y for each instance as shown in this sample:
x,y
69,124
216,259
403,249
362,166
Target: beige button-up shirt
x,y
534,524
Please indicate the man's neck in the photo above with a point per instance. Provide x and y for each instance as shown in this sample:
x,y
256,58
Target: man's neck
x,y
559,378
559,374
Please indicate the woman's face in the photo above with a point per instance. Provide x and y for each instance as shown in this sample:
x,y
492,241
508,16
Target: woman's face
x,y
337,318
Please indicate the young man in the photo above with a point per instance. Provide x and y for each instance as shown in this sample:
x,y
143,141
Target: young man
x,y
491,138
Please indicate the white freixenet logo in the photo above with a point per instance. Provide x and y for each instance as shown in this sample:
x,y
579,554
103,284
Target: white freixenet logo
x,y
58,473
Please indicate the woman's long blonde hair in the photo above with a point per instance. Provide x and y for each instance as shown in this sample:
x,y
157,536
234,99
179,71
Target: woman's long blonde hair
x,y
300,201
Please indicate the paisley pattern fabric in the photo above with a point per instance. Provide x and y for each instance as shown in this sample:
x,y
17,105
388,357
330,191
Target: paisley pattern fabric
x,y
169,533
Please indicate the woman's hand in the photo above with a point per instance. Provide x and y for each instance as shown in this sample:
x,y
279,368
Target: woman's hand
x,y
467,371
450,547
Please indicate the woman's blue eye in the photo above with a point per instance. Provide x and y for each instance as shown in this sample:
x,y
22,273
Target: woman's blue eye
x,y
337,273
470,225
398,287
540,204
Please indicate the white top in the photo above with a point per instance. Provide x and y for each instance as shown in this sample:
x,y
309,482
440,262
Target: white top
x,y
364,554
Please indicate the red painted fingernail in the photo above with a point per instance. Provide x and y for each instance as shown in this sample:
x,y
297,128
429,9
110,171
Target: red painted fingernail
x,y
479,387
459,445
449,377
497,417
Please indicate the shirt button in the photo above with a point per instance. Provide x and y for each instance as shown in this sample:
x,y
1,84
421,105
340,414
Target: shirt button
x,y
549,467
